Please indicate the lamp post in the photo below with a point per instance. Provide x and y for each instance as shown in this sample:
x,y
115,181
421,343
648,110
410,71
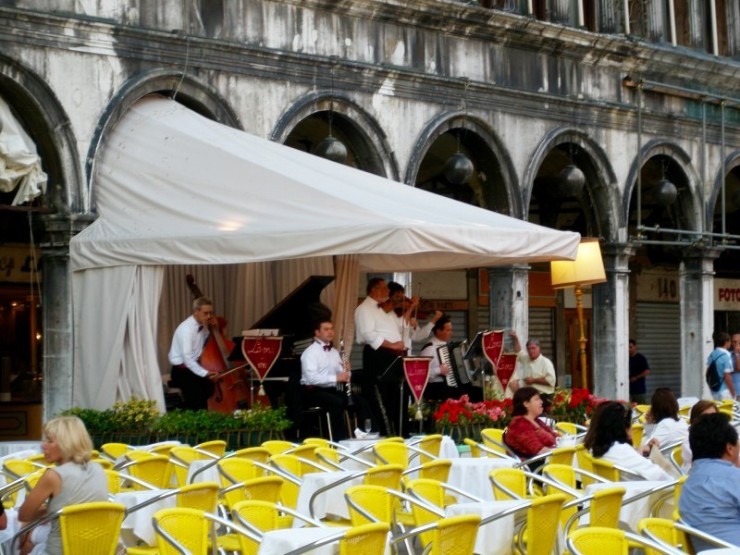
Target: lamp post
x,y
586,269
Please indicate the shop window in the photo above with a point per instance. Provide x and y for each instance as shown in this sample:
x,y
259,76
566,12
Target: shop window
x,y
637,18
715,31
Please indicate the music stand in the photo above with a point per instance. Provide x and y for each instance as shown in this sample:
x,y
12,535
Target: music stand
x,y
476,347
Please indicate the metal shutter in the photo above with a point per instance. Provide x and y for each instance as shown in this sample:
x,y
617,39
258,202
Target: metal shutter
x,y
658,337
542,327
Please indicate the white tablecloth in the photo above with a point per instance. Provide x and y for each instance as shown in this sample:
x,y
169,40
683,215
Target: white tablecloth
x,y
447,450
471,475
19,449
631,513
279,542
208,475
721,551
331,502
138,525
494,538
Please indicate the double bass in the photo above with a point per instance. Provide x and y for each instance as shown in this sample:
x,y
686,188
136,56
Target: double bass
x,y
230,390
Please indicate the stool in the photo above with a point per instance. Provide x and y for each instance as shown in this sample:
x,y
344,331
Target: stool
x,y
319,414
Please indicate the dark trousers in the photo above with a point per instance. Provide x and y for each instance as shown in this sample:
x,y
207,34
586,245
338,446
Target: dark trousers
x,y
195,390
381,382
331,400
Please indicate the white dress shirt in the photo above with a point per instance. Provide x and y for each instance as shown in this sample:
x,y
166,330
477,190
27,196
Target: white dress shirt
x,y
541,367
430,350
409,334
187,346
320,367
373,325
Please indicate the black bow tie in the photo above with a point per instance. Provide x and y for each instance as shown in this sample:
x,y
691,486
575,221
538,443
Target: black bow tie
x,y
327,347
200,329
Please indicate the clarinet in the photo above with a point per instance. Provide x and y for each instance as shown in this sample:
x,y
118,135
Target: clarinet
x,y
347,386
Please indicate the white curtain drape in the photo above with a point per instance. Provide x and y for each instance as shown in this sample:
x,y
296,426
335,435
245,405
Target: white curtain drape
x,y
289,274
119,358
347,272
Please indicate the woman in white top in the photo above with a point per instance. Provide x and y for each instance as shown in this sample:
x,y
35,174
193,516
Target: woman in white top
x,y
667,426
609,437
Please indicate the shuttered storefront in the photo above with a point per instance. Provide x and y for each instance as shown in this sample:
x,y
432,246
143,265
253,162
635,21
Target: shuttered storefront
x,y
658,337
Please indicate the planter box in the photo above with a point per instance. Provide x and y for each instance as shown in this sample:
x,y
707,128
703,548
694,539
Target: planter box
x,y
237,439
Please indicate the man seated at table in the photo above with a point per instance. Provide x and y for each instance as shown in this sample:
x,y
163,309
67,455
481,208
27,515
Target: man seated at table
x,y
710,499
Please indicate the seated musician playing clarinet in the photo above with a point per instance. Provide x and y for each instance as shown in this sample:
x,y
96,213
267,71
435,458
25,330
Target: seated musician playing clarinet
x,y
437,387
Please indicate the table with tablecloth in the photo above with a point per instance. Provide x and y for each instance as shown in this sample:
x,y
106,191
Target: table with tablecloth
x,y
471,475
363,449
137,526
328,503
633,512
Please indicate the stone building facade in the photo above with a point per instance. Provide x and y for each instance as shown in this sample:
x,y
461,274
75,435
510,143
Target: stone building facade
x,y
641,96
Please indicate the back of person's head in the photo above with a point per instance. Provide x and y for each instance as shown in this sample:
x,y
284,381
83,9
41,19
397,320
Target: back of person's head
x,y
663,405
440,324
395,287
71,437
710,435
522,395
609,425
699,408
720,338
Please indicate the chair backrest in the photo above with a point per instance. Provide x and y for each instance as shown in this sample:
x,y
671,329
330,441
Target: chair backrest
x,y
493,438
455,535
664,530
307,451
17,468
139,454
375,500
604,468
265,488
277,446
543,523
562,455
293,464
384,475
605,507
368,539
259,454
186,526
91,528
475,451
317,441
677,496
677,458
512,479
202,496
593,540
567,428
430,444
432,492
638,431
327,455
183,456
216,447
114,480
155,470
391,452
436,470
584,458
114,450
233,470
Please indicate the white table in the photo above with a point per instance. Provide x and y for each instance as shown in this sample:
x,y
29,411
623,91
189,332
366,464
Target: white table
x,y
631,513
331,502
447,450
210,474
471,475
279,542
138,525
494,538
721,551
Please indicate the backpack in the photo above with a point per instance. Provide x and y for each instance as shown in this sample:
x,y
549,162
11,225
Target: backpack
x,y
713,380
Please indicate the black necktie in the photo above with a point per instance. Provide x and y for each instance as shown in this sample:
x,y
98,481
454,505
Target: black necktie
x,y
200,329
327,347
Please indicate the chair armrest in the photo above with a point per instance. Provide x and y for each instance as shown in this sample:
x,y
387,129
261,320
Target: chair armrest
x,y
327,487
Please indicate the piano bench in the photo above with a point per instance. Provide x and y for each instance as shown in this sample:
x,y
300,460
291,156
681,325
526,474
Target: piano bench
x,y
318,414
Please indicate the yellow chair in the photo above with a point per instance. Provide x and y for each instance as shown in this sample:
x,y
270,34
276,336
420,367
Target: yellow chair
x,y
508,483
318,442
449,536
369,539
638,431
259,454
569,428
391,452
154,470
277,446
608,541
265,488
539,535
604,508
429,444
676,534
187,527
17,468
562,455
375,501
234,470
584,459
435,470
384,475
216,447
605,469
475,450
307,451
114,451
328,457
493,438
181,457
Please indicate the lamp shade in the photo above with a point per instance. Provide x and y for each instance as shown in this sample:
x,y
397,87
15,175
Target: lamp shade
x,y
587,268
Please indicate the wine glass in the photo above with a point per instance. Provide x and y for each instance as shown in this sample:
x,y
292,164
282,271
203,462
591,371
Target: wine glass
x,y
368,425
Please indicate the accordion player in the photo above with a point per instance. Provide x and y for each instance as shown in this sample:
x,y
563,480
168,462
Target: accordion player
x,y
445,379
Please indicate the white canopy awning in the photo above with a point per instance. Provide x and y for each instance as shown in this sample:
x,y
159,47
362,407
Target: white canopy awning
x,y
174,188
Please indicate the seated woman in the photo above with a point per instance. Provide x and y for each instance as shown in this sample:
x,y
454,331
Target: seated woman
x,y
610,437
700,408
666,426
75,479
527,435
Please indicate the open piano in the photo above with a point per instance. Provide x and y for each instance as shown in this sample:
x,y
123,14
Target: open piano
x,y
294,318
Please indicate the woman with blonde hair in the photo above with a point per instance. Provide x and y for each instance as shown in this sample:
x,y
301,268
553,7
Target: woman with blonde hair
x,y
73,480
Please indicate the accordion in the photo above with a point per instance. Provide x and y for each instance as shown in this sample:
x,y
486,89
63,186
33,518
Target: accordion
x,y
452,355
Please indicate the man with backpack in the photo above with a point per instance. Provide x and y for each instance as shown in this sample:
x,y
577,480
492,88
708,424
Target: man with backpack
x,y
719,368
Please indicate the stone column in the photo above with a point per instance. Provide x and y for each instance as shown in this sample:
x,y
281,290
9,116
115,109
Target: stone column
x,y
696,280
559,12
610,316
57,313
507,299
656,21
611,14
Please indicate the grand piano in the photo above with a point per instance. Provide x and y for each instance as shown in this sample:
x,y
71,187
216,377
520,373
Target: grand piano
x,y
294,318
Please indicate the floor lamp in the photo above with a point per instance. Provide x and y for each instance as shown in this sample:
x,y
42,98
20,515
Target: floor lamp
x,y
586,269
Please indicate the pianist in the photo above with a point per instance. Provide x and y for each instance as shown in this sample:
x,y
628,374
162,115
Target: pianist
x,y
437,389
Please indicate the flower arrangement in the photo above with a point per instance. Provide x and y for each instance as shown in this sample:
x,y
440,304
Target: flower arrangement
x,y
462,413
573,405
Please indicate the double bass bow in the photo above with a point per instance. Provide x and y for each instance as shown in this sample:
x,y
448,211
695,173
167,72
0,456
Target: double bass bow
x,y
230,390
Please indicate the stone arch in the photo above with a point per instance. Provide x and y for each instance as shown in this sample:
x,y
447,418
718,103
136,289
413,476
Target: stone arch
x,y
364,132
194,94
656,147
603,191
448,121
47,123
732,161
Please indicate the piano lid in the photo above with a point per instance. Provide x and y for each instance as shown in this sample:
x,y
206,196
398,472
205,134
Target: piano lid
x,y
296,314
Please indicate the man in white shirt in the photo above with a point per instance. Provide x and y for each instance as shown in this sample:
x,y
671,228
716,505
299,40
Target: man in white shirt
x,y
405,312
383,348
322,369
533,369
195,382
